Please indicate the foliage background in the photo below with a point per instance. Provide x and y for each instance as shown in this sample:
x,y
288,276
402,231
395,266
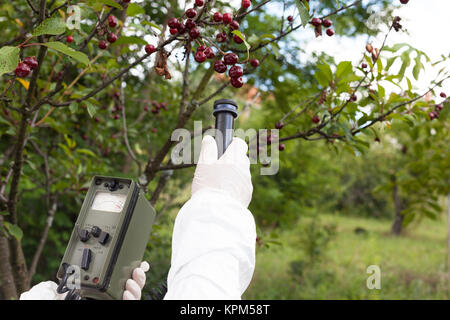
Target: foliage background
x,y
321,220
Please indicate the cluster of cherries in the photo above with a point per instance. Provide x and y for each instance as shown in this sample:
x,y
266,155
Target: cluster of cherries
x,y
111,37
318,23
156,107
437,108
178,26
24,68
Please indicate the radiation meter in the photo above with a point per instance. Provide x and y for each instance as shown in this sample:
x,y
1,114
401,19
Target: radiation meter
x,y
113,227
108,240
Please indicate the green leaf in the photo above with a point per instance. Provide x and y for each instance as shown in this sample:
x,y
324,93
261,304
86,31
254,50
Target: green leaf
x,y
390,62
151,24
90,108
396,47
409,217
240,35
110,3
324,75
53,26
9,59
344,68
275,49
14,230
409,84
417,68
381,92
303,11
73,107
134,9
130,40
87,152
61,47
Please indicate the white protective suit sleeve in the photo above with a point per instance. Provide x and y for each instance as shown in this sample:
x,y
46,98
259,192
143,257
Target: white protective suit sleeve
x,y
213,241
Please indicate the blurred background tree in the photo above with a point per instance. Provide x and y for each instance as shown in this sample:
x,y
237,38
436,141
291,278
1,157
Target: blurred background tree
x,y
357,139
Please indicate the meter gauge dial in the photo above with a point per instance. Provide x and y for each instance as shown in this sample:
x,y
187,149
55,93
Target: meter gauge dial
x,y
109,202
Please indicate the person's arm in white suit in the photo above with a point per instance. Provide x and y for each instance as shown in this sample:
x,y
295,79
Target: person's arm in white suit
x,y
213,241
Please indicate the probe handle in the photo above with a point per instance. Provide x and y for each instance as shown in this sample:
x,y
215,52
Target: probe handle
x,y
225,111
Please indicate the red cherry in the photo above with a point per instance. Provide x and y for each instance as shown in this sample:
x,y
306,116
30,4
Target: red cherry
x,y
237,39
433,115
194,33
217,17
173,23
254,63
221,37
191,13
200,56
279,125
111,38
237,82
439,107
181,28
102,44
246,3
404,1
281,146
235,72
327,23
353,98
443,95
112,21
189,24
116,116
149,49
31,62
230,58
126,1
330,32
364,65
316,119
227,18
69,39
22,70
234,25
316,22
199,3
173,31
209,52
201,48
290,18
219,66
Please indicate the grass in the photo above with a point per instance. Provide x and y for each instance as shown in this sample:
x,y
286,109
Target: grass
x,y
413,266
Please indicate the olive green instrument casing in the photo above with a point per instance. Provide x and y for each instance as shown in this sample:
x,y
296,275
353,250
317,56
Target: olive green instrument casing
x,y
104,266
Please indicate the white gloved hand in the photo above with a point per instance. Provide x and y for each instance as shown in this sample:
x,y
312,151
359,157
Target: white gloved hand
x,y
133,286
46,290
230,174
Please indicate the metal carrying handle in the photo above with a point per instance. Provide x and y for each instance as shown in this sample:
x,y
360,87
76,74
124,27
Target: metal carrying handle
x,y
225,111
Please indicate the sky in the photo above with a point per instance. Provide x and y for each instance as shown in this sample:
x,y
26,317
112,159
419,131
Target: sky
x,y
427,24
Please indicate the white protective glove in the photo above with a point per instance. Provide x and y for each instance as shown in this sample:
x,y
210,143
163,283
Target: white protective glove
x,y
46,290
213,242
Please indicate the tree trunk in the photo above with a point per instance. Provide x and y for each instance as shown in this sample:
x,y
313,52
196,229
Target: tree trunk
x,y
398,222
8,287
